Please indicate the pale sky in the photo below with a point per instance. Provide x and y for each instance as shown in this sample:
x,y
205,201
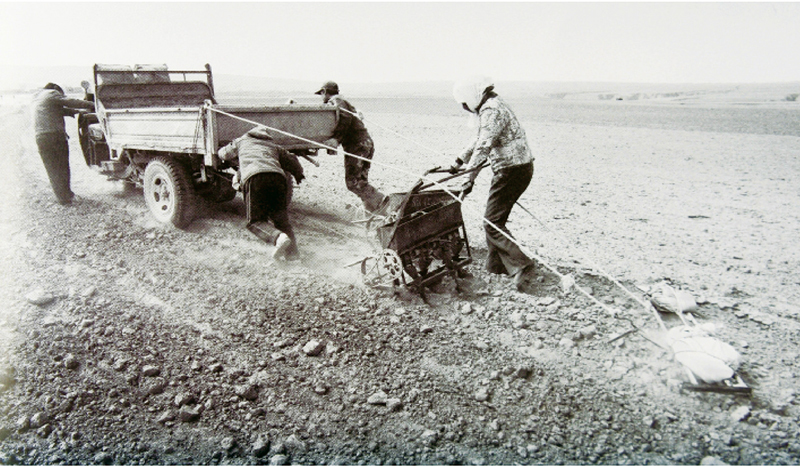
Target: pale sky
x,y
388,42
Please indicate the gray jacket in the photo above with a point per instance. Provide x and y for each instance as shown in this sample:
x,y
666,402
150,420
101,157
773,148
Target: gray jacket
x,y
50,107
256,153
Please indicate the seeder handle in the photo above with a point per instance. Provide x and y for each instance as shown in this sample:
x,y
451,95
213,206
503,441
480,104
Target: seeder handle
x,y
448,178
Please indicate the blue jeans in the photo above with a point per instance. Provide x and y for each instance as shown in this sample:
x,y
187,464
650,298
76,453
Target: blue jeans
x,y
508,184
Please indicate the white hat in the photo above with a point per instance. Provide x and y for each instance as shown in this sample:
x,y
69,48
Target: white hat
x,y
470,91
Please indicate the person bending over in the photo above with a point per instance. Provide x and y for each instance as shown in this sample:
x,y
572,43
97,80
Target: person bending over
x,y
262,171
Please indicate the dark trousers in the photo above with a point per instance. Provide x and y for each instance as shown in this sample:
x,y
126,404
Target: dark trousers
x,y
507,186
54,151
356,174
265,200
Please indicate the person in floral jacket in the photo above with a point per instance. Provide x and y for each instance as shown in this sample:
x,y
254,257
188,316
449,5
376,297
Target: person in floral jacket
x,y
501,140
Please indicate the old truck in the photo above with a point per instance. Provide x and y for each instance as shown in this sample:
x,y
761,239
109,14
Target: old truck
x,y
161,129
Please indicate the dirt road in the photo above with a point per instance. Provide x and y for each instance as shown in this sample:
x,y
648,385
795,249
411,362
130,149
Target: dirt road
x,y
127,342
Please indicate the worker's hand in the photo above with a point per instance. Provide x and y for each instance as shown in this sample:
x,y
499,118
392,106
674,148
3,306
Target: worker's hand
x,y
466,188
331,143
456,167
299,178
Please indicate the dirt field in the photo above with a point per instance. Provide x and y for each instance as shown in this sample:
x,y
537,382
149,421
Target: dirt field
x,y
124,341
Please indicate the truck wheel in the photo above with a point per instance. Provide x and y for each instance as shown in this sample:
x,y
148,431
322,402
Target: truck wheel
x,y
168,191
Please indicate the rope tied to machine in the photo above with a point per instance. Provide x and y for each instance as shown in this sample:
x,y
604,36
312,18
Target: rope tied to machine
x,y
567,281
646,305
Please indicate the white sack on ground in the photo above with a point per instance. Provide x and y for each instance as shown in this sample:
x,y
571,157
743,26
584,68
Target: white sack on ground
x,y
709,359
672,300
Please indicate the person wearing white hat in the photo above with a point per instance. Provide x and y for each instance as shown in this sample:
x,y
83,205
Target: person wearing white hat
x,y
351,133
262,169
501,140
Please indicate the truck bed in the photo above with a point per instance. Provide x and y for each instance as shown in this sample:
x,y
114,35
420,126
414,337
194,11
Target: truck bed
x,y
168,117
313,122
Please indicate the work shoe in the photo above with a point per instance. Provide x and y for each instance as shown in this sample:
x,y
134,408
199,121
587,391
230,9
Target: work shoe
x,y
282,244
521,276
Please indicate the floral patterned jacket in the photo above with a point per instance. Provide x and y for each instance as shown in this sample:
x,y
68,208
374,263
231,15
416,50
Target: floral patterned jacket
x,y
501,139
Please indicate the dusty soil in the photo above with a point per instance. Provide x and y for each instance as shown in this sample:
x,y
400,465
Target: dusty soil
x,y
124,341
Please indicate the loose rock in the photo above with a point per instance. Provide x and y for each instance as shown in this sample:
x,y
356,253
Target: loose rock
x,y
103,458
165,417
378,398
313,348
482,395
38,420
566,343
70,362
712,461
247,391
39,297
429,437
227,443
154,386
295,445
279,460
394,404
261,446
184,399
23,423
188,414
740,414
588,331
151,371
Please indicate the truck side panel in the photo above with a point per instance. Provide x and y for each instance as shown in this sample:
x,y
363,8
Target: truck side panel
x,y
176,130
312,122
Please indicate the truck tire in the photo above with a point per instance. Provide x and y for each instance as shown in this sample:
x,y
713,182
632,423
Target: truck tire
x,y
168,191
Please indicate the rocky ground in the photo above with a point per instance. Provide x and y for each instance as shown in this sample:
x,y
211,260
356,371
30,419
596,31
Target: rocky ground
x,y
124,341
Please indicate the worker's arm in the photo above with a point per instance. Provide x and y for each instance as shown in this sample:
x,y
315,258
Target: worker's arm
x,y
75,104
466,154
490,127
291,164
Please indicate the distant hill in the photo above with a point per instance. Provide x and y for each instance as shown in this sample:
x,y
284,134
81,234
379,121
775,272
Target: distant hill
x,y
27,79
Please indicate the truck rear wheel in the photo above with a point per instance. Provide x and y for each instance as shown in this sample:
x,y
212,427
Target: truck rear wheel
x,y
168,191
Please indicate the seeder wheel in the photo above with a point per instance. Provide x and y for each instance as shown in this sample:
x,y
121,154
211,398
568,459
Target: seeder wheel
x,y
383,269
